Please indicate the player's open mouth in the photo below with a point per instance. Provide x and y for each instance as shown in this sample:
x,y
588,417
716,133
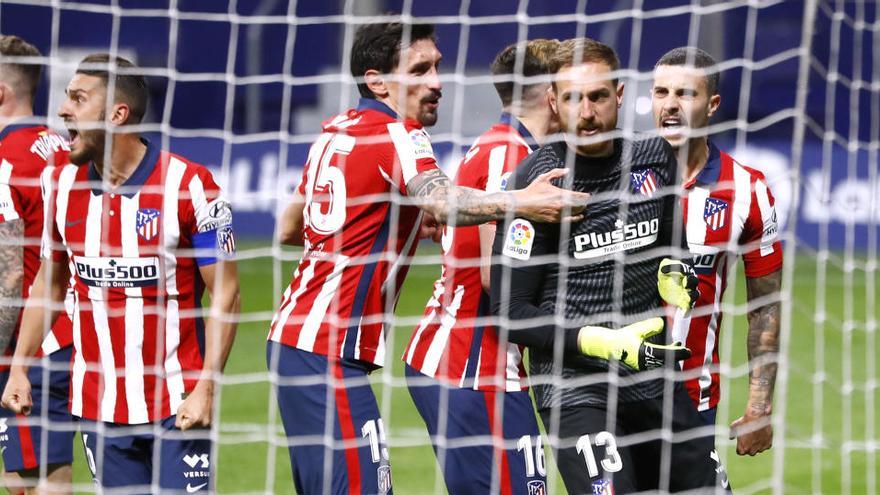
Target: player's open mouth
x,y
74,136
589,131
671,126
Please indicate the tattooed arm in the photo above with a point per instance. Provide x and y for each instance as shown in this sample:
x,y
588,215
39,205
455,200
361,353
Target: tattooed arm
x,y
753,430
11,275
540,201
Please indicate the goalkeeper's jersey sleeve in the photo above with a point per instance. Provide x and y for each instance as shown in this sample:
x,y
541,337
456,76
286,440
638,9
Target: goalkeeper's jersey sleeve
x,y
549,280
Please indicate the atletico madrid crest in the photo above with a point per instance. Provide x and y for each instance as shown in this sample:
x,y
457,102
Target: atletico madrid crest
x,y
715,213
644,181
147,223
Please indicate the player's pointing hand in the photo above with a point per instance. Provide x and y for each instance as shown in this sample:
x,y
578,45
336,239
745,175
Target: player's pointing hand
x,y
17,394
541,201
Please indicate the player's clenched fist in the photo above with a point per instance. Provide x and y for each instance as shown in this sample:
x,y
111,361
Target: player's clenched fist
x,y
541,201
195,411
17,394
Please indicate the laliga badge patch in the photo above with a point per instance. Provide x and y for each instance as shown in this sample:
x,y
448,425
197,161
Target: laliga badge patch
x,y
519,239
421,144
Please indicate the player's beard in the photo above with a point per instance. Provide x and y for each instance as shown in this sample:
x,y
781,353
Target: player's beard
x,y
429,109
91,145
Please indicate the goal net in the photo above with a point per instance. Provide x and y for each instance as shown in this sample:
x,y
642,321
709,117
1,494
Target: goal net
x,y
243,86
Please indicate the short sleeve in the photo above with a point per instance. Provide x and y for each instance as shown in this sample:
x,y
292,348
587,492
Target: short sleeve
x,y
210,228
413,154
9,198
762,252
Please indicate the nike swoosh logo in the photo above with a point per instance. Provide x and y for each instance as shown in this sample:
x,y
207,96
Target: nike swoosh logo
x,y
75,222
193,489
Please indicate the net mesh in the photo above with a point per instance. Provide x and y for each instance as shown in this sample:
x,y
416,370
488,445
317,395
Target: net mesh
x,y
243,86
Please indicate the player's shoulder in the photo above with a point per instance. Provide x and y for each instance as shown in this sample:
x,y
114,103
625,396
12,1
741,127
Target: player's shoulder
x,y
735,165
646,149
32,147
542,160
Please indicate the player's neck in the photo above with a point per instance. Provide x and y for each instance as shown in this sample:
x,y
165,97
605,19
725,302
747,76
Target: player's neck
x,y
10,114
126,155
538,125
693,157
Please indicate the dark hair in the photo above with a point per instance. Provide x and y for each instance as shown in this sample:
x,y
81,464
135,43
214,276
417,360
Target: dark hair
x,y
129,88
535,60
28,74
585,50
691,56
377,47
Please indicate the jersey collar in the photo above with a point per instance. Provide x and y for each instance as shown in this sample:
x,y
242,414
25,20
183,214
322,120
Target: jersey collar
x,y
137,179
509,120
711,172
371,104
9,129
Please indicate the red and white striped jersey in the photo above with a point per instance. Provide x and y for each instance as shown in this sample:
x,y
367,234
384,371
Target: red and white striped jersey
x,y
26,152
454,341
134,253
359,234
728,211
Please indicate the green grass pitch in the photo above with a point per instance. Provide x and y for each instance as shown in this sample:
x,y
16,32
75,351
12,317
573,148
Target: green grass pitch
x,y
825,445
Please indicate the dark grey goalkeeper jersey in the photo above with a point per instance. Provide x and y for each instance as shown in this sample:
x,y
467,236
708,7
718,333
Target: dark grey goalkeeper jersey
x,y
550,280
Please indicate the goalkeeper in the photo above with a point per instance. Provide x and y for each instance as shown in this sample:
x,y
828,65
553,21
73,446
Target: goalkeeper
x,y
600,275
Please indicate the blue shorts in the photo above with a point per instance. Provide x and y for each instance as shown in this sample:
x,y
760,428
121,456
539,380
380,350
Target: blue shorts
x,y
122,456
348,454
460,422
22,438
708,416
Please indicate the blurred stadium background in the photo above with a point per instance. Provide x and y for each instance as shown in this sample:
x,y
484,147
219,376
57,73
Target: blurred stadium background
x,y
242,87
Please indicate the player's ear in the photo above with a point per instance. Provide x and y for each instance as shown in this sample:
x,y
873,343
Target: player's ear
x,y
551,98
714,103
120,113
374,80
619,95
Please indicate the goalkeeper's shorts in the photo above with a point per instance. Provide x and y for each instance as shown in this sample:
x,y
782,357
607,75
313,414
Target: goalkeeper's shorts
x,y
596,452
470,449
22,437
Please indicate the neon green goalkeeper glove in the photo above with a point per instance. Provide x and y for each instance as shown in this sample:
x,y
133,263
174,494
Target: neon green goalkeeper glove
x,y
677,282
628,344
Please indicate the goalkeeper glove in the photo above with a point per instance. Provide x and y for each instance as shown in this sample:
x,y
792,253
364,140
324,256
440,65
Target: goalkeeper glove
x,y
628,344
677,282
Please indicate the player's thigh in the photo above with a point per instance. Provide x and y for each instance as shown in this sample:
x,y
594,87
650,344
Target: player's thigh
x,y
587,452
311,410
483,441
46,435
119,456
694,462
184,458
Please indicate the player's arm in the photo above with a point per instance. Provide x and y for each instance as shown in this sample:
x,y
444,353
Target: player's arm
x,y
753,430
11,276
541,201
291,223
221,280
44,304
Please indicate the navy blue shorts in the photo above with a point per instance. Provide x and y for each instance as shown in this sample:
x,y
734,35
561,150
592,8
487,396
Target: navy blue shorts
x,y
473,454
22,438
335,435
123,456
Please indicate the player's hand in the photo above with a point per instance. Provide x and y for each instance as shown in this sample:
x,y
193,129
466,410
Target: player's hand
x,y
196,409
430,229
677,282
543,202
628,344
17,394
753,432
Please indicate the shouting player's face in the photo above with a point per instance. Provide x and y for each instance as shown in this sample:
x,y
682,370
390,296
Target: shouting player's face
x,y
681,102
586,103
83,110
416,88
